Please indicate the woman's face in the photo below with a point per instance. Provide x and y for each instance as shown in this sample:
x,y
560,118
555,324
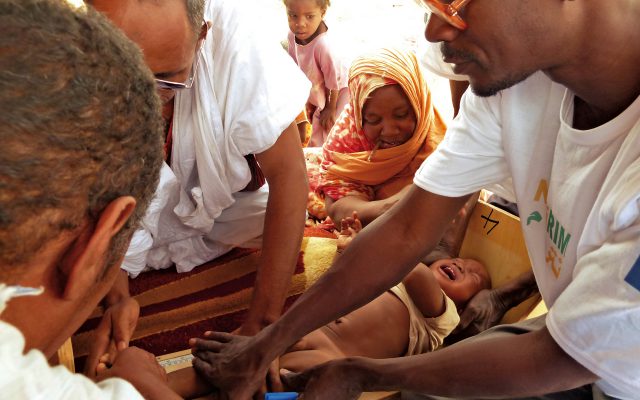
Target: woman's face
x,y
388,117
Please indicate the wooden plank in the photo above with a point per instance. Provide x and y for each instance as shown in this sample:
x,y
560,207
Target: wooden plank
x,y
380,396
494,237
65,355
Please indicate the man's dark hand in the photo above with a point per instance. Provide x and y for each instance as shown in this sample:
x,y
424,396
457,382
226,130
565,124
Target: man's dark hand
x,y
229,363
113,333
141,369
482,312
330,380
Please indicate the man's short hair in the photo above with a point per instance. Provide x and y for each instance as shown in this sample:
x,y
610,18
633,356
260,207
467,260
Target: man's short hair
x,y
195,12
80,125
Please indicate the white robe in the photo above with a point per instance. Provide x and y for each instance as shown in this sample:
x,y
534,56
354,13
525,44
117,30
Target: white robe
x,y
247,91
29,375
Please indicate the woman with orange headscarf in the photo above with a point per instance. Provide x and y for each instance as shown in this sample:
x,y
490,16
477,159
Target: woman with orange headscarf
x,y
377,144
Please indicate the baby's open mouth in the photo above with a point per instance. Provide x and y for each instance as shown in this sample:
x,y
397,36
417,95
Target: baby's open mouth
x,y
449,272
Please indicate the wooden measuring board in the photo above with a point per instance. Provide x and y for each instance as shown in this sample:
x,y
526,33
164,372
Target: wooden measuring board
x,y
175,361
494,237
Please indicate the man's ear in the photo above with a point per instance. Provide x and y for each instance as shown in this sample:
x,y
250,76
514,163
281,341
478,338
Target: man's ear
x,y
204,29
84,263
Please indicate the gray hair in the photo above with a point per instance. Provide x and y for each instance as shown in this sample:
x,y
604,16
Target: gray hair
x,y
80,125
195,13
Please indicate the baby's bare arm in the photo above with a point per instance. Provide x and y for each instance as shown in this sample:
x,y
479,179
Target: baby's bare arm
x,y
424,290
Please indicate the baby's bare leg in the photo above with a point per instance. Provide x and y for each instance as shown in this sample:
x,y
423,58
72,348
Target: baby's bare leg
x,y
300,360
188,384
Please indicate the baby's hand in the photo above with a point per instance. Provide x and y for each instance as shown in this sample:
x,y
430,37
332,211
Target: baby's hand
x,y
349,228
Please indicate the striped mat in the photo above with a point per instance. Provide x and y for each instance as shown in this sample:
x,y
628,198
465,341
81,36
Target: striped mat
x,y
175,307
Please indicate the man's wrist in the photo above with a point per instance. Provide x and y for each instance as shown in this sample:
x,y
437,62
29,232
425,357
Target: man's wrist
x,y
270,343
513,294
362,372
119,291
503,300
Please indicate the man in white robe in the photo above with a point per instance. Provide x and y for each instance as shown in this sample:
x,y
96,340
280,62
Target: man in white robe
x,y
231,95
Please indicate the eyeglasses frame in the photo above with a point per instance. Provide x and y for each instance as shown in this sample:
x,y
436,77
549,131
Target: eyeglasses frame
x,y
448,12
188,84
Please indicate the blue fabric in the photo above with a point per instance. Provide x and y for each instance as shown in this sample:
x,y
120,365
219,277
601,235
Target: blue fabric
x,y
633,277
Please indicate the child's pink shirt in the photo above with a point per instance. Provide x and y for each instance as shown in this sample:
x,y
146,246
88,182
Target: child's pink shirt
x,y
318,60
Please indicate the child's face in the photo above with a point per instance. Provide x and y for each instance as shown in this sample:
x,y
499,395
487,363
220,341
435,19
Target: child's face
x,y
388,117
460,278
304,17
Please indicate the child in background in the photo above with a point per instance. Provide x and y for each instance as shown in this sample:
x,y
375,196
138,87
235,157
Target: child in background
x,y
310,47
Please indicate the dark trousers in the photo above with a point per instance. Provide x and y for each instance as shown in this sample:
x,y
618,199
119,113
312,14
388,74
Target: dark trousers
x,y
589,392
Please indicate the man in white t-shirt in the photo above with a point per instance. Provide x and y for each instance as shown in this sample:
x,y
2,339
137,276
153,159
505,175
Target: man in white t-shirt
x,y
230,97
81,154
556,110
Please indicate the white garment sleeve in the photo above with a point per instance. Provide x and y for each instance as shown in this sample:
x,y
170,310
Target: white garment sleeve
x,y
596,320
259,87
471,156
29,376
430,58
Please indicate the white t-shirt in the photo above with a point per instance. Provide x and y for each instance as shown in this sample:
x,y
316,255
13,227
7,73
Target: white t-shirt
x,y
247,91
29,376
578,193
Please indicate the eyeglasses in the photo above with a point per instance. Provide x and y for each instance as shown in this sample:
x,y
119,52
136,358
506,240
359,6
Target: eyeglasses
x,y
449,12
169,85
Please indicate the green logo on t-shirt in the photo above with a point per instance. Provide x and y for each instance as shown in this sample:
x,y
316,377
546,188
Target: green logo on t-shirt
x,y
534,217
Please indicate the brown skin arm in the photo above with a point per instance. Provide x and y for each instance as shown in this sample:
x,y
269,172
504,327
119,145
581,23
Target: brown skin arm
x,y
487,308
327,115
367,210
531,364
379,257
284,169
424,290
117,325
142,370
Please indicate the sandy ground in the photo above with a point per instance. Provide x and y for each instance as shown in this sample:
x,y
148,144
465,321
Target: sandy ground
x,y
363,25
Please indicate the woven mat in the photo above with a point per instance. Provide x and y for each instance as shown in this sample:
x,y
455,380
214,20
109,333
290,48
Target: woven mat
x,y
177,306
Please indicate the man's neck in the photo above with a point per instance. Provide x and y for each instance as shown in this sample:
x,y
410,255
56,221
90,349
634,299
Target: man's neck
x,y
603,71
167,111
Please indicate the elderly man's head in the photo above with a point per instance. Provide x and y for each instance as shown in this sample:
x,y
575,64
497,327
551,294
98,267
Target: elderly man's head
x,y
81,141
167,31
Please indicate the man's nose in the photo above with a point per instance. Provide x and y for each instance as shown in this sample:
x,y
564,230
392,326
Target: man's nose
x,y
438,30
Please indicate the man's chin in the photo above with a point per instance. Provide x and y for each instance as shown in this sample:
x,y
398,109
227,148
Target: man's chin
x,y
492,88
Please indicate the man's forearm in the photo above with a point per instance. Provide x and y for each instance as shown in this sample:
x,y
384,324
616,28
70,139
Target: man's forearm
x,y
284,169
283,231
515,366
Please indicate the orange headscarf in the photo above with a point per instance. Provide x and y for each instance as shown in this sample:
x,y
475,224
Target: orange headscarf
x,y
347,150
